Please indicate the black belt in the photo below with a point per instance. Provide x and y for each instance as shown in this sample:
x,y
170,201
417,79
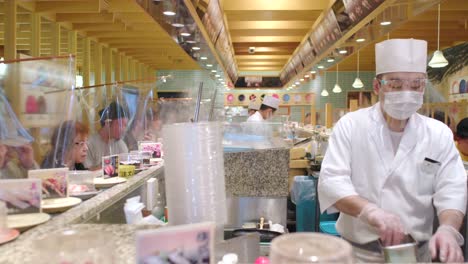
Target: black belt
x,y
375,246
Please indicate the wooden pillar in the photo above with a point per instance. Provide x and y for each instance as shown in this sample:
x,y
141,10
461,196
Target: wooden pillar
x,y
86,72
150,73
98,71
302,114
131,66
35,35
56,34
86,62
328,115
36,52
125,68
137,70
353,105
10,29
118,66
11,89
108,71
313,115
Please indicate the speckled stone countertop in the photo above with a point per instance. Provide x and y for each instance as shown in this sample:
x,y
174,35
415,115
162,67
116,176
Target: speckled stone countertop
x,y
258,173
123,239
11,252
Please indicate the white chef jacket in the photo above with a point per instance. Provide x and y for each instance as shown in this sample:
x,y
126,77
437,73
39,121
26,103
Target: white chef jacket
x,y
257,117
360,161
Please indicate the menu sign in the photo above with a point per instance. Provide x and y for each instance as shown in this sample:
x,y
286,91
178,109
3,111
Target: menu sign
x,y
359,9
22,196
54,181
213,20
306,52
326,33
44,83
192,243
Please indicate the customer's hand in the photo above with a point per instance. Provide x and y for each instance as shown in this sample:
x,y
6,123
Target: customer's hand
x,y
26,156
388,225
446,242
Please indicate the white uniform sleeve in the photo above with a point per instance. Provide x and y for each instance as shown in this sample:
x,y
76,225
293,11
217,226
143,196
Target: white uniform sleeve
x,y
451,180
335,174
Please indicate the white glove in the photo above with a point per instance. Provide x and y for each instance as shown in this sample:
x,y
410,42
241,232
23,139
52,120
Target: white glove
x,y
388,225
447,241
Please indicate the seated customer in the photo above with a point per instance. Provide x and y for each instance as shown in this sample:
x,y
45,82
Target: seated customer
x,y
143,129
69,146
461,138
16,161
108,140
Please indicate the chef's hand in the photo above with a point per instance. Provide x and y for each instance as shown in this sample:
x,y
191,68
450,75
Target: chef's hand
x,y
447,241
388,225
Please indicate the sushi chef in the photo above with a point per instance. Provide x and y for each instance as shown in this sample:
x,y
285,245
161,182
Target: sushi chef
x,y
387,167
268,107
253,107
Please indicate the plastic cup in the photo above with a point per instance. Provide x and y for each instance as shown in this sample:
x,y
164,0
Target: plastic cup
x,y
75,246
309,248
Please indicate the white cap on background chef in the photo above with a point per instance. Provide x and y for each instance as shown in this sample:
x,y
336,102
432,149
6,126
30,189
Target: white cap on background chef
x,y
387,167
268,107
253,107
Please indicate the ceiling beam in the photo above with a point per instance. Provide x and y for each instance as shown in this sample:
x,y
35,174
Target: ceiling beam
x,y
272,15
261,57
117,26
66,7
89,18
259,68
234,25
247,5
268,32
297,38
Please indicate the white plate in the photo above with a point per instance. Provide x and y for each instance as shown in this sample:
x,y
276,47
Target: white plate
x,y
85,195
58,205
109,182
23,222
8,235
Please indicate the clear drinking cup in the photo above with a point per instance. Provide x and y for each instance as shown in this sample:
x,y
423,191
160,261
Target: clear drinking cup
x,y
309,248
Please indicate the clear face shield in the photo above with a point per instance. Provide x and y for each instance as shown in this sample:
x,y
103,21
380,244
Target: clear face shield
x,y
401,94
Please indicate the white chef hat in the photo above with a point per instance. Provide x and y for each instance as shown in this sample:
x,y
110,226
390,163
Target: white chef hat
x,y
401,55
254,105
271,101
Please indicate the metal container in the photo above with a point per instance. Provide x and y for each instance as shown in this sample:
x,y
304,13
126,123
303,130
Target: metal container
x,y
403,253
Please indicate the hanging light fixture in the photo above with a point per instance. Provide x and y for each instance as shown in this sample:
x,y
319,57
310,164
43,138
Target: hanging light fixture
x,y
357,82
337,88
324,91
438,60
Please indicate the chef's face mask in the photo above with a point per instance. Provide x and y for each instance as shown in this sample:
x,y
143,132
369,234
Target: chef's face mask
x,y
402,105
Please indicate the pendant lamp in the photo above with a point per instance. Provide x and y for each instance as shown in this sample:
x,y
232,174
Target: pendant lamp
x,y
337,88
357,82
438,60
324,91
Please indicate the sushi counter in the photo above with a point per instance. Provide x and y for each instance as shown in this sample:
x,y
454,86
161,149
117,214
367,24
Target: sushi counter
x,y
256,187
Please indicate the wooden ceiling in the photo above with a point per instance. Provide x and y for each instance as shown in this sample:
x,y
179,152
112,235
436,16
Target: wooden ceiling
x,y
275,29
122,25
